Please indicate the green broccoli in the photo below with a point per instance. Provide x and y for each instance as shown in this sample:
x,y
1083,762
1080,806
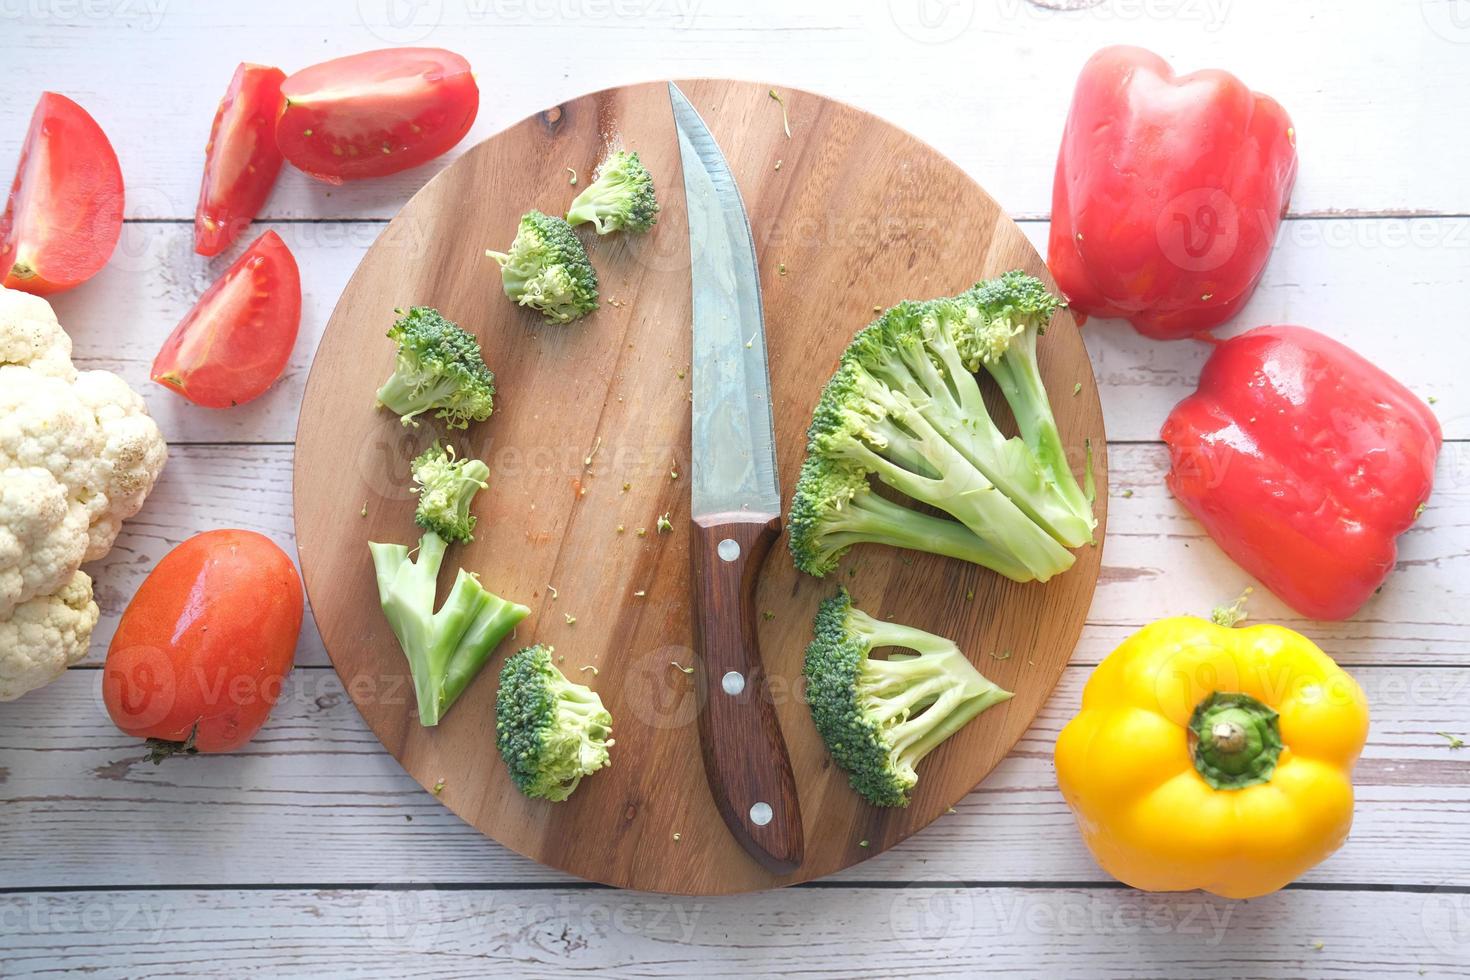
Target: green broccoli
x,y
445,649
445,487
904,406
619,199
547,269
550,731
835,508
440,367
880,718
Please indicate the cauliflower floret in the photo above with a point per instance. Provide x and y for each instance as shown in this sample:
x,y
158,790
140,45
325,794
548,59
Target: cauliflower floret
x,y
133,452
31,337
45,636
95,437
43,536
78,455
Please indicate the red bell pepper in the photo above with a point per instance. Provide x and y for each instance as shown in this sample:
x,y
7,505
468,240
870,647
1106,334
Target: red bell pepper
x,y
1304,462
1168,193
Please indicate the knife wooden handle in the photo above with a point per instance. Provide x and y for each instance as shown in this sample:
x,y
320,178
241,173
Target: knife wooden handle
x,y
745,757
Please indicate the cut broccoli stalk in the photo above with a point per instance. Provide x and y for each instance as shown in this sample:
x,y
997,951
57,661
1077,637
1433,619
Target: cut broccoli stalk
x,y
835,508
880,718
439,368
445,649
904,406
548,270
550,731
621,197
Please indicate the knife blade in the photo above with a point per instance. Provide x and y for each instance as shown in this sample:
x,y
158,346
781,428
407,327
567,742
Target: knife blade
x,y
735,507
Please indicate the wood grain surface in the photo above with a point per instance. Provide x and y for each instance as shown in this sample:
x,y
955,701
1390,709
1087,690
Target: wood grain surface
x,y
591,433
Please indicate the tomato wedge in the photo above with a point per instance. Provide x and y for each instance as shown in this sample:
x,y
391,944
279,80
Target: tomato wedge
x,y
65,210
376,113
236,340
241,159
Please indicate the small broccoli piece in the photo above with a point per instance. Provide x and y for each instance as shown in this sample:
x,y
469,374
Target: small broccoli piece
x,y
445,649
880,718
550,731
446,486
439,367
620,198
547,269
905,406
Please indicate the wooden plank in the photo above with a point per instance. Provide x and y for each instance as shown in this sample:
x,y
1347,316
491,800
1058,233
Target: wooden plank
x,y
1327,274
1369,139
1152,545
314,798
936,928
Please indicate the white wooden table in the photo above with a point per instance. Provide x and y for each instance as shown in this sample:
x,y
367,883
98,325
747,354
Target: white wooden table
x,y
310,852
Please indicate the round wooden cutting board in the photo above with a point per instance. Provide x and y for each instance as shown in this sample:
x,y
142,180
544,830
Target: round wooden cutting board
x,y
589,444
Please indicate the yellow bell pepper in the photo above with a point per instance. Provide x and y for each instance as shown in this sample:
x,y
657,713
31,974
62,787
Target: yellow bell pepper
x,y
1212,757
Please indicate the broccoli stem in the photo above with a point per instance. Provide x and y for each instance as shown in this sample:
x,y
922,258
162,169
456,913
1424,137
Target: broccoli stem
x,y
445,650
952,403
963,491
930,706
409,396
872,519
1019,378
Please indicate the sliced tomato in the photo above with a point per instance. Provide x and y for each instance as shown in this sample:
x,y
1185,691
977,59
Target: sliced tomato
x,y
65,210
236,340
376,113
241,159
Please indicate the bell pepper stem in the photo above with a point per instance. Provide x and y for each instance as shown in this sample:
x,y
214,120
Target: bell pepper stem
x,y
1236,740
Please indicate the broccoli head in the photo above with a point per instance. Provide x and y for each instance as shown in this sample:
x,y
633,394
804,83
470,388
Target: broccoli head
x,y
880,718
446,486
620,198
550,731
904,406
445,649
439,367
547,269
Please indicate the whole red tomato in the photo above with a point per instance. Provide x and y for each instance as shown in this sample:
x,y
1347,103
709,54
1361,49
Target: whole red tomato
x,y
236,340
241,160
65,210
376,113
199,657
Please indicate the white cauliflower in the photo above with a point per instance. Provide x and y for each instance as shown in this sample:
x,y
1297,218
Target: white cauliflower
x,y
44,636
78,456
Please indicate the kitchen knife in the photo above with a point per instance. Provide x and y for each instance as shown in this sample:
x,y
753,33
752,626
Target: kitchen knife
x,y
735,504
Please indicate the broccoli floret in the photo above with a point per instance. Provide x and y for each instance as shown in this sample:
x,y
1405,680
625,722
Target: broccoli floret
x,y
619,199
445,649
904,406
879,718
547,269
550,731
446,486
439,367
